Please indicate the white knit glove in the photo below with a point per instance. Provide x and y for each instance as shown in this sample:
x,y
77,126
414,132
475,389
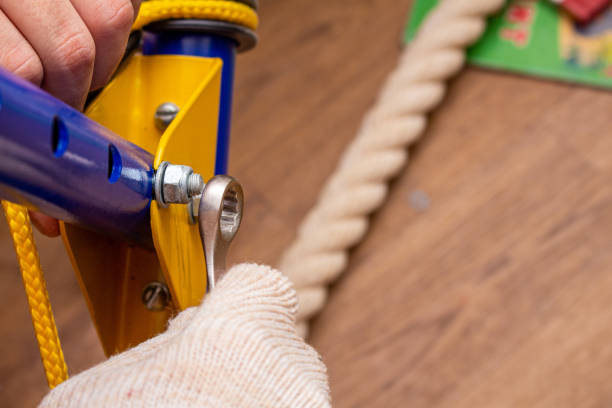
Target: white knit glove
x,y
239,348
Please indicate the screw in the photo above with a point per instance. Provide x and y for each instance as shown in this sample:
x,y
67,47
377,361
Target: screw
x,y
155,296
164,114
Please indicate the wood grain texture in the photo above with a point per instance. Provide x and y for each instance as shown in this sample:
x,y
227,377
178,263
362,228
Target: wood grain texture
x,y
486,278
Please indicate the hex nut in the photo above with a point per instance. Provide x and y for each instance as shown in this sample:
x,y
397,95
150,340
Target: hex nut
x,y
174,185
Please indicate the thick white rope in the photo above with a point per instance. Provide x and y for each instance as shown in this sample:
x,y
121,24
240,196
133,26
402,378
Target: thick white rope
x,y
358,187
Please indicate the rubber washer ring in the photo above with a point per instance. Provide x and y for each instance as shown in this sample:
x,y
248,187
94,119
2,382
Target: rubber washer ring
x,y
244,37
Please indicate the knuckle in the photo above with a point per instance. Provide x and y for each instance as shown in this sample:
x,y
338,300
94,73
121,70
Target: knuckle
x,y
27,65
76,52
116,18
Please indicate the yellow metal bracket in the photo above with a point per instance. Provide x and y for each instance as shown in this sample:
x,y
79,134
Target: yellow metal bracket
x,y
113,274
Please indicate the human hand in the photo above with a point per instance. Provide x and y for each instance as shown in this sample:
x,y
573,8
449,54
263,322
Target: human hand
x,y
239,348
67,47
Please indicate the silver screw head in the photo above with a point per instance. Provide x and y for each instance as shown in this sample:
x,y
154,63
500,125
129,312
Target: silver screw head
x,y
164,114
155,296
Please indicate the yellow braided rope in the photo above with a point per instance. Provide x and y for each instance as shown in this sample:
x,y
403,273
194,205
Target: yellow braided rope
x,y
230,11
36,291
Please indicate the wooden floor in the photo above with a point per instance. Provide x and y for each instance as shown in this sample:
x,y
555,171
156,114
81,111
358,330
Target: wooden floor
x,y
486,279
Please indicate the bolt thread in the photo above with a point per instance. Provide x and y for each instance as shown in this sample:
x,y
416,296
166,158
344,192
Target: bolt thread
x,y
195,184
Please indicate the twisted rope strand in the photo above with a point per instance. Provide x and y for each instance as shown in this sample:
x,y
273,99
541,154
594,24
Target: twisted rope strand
x,y
36,290
358,187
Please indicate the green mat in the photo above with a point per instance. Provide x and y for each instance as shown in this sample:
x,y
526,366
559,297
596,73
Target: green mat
x,y
536,38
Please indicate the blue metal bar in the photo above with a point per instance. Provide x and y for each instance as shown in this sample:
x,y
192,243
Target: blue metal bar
x,y
203,45
56,160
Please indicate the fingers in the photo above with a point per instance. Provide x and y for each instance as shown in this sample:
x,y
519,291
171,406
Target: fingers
x,y
66,47
17,55
79,43
109,22
46,225
62,41
253,293
258,289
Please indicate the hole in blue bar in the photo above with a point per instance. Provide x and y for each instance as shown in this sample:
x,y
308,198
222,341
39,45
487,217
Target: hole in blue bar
x,y
59,137
114,164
